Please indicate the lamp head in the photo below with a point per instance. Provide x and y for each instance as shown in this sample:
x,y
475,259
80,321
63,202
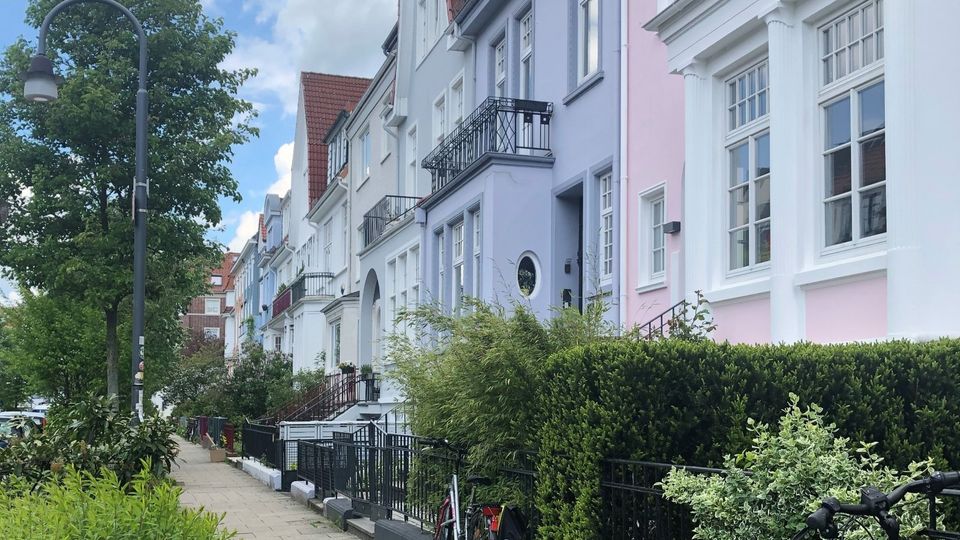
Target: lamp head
x,y
39,82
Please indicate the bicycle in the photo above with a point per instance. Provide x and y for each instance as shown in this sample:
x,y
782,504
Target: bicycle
x,y
875,504
481,521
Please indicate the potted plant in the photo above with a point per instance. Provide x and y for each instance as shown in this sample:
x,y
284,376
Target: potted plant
x,y
346,367
366,372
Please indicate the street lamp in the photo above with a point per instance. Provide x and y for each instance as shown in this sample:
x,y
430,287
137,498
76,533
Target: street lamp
x,y
40,85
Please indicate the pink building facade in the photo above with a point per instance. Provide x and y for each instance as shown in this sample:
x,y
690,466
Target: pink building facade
x,y
814,177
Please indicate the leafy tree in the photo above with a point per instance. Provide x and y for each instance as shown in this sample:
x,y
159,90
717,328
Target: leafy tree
x,y
66,167
198,382
51,344
12,386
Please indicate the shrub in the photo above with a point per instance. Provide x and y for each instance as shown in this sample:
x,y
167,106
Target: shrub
x,y
790,471
81,506
89,436
689,403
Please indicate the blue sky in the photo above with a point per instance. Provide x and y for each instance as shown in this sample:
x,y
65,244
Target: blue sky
x,y
280,38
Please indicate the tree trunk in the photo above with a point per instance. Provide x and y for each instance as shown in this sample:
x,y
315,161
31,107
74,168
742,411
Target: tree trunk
x,y
112,351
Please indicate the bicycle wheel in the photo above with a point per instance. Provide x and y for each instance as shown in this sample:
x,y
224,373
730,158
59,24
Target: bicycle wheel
x,y
444,524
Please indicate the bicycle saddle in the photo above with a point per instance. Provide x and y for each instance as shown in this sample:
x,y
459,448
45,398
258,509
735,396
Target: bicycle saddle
x,y
479,480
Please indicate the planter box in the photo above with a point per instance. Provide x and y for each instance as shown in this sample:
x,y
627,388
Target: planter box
x,y
218,455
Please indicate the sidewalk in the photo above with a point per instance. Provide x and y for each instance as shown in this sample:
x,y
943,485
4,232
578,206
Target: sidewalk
x,y
252,509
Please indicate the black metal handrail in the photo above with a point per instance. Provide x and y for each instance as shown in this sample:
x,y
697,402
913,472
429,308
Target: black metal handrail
x,y
498,125
389,209
313,284
661,325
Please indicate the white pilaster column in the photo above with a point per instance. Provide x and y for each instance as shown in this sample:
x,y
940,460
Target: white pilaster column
x,y
923,190
786,98
696,198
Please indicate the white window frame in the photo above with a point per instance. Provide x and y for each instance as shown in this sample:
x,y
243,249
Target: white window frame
x,y
422,29
500,67
206,306
365,153
847,54
336,329
606,239
441,267
456,283
849,86
216,281
410,178
211,332
747,96
440,117
526,55
328,245
748,91
648,228
477,243
852,92
588,35
456,102
345,235
391,294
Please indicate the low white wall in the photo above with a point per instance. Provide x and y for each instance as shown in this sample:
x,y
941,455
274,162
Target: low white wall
x,y
265,475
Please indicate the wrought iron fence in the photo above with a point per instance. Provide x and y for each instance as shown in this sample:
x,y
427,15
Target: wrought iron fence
x,y
315,465
263,443
389,209
634,507
392,475
498,125
312,284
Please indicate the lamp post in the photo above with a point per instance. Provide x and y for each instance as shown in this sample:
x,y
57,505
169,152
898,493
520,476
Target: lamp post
x,y
40,85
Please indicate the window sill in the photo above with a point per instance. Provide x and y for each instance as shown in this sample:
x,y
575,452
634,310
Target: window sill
x,y
583,86
651,286
363,180
739,291
384,158
848,268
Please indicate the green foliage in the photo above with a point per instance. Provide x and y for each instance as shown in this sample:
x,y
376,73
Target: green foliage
x,y
791,470
54,345
198,382
81,506
89,436
689,402
261,381
13,388
66,166
472,377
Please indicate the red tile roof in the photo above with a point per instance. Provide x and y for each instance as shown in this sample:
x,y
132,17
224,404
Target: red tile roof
x,y
324,97
263,229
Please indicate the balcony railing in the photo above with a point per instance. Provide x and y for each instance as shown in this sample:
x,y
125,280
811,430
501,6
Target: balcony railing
x,y
498,126
281,302
389,209
314,284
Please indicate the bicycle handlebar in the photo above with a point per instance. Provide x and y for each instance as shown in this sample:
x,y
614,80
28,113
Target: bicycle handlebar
x,y
875,504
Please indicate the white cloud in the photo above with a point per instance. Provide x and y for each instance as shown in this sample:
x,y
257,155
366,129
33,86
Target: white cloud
x,y
283,162
247,227
9,295
331,36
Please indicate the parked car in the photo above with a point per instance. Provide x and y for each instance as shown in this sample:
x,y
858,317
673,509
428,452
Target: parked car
x,y
19,424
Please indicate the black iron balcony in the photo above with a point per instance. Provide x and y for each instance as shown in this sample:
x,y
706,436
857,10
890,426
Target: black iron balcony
x,y
389,209
314,284
498,126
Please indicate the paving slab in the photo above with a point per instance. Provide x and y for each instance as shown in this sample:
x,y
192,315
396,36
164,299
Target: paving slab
x,y
252,509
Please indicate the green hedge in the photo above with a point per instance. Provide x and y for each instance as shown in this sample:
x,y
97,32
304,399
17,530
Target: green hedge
x,y
686,402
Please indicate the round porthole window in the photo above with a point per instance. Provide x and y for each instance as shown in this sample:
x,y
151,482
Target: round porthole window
x,y
527,275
